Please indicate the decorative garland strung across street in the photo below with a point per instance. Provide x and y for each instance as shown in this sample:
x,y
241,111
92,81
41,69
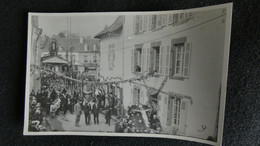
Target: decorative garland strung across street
x,y
146,74
142,77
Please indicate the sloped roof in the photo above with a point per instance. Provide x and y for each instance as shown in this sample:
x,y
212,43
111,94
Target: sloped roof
x,y
118,23
67,43
55,59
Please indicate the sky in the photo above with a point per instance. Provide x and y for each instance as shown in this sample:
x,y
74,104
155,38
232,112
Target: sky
x,y
84,25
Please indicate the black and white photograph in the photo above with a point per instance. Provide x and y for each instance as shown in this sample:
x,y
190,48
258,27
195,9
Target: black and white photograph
x,y
156,74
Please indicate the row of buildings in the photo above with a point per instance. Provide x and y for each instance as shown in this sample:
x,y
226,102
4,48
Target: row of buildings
x,y
82,53
73,55
186,48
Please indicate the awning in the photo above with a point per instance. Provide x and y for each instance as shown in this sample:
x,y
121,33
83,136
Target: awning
x,y
56,60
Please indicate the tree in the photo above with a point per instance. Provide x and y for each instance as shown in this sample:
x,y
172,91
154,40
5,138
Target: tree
x,y
62,34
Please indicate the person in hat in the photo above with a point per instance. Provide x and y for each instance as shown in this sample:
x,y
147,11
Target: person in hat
x,y
86,108
96,112
108,112
77,112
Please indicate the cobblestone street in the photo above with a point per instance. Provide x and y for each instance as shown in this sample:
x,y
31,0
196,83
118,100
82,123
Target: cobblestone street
x,y
61,124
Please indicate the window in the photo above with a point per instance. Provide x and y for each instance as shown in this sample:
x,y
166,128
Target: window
x,y
140,23
145,19
149,22
175,18
140,29
154,57
180,59
136,24
159,21
174,110
164,19
154,20
182,17
170,19
138,58
176,114
156,53
85,58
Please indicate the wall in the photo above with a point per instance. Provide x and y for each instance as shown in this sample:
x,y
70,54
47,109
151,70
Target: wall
x,y
205,72
117,69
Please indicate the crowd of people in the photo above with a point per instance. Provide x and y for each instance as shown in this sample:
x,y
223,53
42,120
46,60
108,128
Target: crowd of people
x,y
51,102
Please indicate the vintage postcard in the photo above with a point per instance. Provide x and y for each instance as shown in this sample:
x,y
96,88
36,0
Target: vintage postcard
x,y
159,74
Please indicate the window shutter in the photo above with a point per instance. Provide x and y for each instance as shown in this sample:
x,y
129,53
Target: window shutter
x,y
132,62
167,60
142,97
170,18
152,59
149,22
145,22
143,60
169,111
175,18
164,18
173,57
147,58
140,23
159,20
161,60
187,58
182,17
136,59
134,95
154,21
134,24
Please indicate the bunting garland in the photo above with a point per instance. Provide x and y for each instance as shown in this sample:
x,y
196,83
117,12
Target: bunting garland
x,y
47,72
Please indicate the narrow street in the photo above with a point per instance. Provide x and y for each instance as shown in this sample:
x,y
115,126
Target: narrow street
x,y
61,124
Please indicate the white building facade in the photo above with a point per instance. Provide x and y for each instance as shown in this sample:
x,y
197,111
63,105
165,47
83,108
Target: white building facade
x,y
185,50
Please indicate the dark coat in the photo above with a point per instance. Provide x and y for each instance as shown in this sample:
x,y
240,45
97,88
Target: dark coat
x,y
95,109
86,108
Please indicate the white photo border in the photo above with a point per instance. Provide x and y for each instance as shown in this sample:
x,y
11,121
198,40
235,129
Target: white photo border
x,y
228,7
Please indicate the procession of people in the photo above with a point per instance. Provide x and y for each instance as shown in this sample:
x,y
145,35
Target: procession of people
x,y
52,102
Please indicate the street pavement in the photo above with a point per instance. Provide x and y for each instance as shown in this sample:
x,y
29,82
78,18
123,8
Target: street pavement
x,y
67,123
